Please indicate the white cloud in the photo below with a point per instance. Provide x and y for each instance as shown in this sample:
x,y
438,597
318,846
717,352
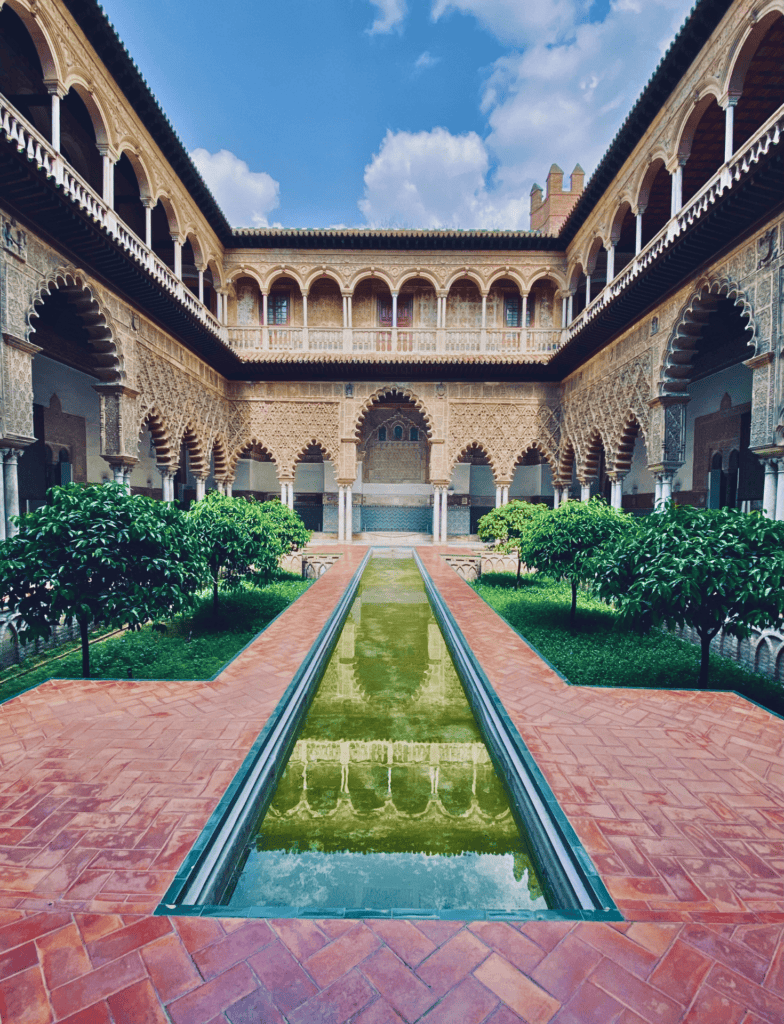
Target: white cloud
x,y
564,103
390,16
245,196
425,60
559,99
517,22
435,179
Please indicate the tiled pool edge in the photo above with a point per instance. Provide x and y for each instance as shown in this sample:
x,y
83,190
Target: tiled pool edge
x,y
329,632
170,906
606,910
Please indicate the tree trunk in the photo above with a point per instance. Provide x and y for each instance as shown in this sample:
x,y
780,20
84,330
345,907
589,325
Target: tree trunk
x,y
519,567
705,642
83,624
215,570
573,612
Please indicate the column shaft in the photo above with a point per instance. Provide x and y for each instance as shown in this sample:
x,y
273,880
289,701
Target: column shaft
x,y
638,233
394,310
201,486
657,490
349,515
729,129
436,513
587,290
56,121
770,488
780,491
341,515
444,507
666,488
2,497
611,262
11,481
585,492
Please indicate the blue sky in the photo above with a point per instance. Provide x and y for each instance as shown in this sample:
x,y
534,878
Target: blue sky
x,y
393,113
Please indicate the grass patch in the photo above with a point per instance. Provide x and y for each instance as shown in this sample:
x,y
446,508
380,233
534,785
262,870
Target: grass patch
x,y
602,652
193,646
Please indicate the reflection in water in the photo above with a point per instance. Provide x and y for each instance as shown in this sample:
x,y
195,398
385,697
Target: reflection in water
x,y
390,798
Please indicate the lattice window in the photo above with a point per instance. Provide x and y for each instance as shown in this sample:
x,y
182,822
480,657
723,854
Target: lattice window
x,y
513,310
278,309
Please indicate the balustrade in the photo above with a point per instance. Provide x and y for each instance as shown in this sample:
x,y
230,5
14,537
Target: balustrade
x,y
769,134
41,152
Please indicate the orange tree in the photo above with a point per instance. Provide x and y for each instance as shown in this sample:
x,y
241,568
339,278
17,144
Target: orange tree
x,y
571,540
510,526
704,568
98,555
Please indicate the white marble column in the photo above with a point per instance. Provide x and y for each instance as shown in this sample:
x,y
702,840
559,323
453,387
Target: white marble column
x,y
780,491
127,470
484,311
524,312
107,191
611,262
564,494
570,308
436,514
291,495
394,310
666,487
587,290
341,515
498,497
201,285
119,474
55,94
227,486
505,494
770,488
444,506
148,205
677,189
657,490
638,231
349,518
201,487
556,496
11,482
585,492
729,123
177,256
304,310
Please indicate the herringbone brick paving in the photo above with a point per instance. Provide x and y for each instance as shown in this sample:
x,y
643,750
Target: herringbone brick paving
x,y
679,798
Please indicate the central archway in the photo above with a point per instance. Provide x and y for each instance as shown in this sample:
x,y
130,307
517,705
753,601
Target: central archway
x,y
393,486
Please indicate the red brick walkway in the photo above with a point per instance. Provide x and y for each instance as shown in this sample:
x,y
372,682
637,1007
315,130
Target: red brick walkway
x,y
679,798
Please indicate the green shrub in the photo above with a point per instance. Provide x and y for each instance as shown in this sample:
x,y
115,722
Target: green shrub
x,y
602,651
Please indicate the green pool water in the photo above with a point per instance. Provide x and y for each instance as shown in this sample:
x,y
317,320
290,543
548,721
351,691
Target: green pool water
x,y
390,799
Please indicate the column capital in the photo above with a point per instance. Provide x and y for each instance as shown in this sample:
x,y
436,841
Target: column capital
x,y
127,462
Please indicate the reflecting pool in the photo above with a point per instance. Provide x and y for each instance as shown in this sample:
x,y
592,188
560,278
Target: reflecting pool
x,y
390,799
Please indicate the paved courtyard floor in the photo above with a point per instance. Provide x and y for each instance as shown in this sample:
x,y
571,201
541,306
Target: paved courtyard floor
x,y
104,786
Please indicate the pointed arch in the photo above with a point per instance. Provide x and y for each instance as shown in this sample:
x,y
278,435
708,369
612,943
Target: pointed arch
x,y
389,390
107,353
679,354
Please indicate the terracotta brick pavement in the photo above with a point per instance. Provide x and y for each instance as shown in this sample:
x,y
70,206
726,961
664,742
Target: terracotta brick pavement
x,y
679,798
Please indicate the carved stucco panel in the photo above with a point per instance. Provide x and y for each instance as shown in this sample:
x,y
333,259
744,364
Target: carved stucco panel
x,y
18,391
